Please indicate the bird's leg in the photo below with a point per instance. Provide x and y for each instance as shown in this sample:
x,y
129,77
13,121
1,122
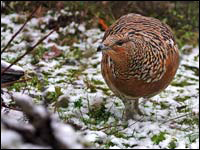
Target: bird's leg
x,y
132,110
135,104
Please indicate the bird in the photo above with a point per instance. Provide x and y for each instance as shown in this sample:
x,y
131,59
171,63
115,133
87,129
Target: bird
x,y
10,76
140,58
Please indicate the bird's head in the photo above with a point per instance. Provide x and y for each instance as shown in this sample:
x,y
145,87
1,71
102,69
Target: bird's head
x,y
117,46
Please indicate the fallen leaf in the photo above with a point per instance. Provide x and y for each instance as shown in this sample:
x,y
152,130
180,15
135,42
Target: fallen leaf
x,y
54,52
103,24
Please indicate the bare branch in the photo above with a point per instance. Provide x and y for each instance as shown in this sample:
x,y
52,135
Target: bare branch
x,y
12,82
12,38
28,51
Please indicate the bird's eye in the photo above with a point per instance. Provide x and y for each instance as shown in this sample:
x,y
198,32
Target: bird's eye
x,y
120,42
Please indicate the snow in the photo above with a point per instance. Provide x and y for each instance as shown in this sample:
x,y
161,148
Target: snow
x,y
115,147
195,145
67,135
5,64
93,136
81,27
138,134
14,141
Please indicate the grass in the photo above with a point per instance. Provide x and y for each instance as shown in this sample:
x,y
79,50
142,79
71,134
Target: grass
x,y
99,114
182,98
183,83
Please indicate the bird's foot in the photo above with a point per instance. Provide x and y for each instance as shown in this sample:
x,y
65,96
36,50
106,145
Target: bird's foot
x,y
132,111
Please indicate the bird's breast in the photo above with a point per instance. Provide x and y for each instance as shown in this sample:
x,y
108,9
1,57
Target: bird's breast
x,y
132,87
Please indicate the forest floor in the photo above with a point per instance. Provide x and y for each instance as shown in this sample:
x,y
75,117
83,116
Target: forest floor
x,y
65,71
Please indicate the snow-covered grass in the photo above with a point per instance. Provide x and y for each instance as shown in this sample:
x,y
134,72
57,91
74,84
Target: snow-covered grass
x,y
75,91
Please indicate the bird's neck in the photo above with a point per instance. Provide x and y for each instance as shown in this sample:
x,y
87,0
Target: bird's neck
x,y
120,61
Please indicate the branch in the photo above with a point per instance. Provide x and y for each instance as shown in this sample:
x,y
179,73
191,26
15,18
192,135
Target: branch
x,y
28,51
12,82
12,38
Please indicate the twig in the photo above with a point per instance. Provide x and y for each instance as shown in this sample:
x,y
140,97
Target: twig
x,y
136,122
9,83
110,126
12,38
176,118
10,107
28,51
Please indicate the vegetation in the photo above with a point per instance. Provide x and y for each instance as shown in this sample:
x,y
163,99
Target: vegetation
x,y
181,16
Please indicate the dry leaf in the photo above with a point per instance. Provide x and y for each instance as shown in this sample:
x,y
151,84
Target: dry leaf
x,y
54,52
103,24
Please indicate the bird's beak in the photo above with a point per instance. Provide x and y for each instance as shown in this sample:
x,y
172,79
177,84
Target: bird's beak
x,y
102,47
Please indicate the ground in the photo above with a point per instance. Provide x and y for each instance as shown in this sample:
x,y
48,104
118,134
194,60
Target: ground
x,y
65,72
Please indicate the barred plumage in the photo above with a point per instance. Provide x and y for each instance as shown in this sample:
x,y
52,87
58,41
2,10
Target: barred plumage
x,y
140,57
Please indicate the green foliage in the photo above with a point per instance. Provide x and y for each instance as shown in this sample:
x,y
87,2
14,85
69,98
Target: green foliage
x,y
164,105
37,54
97,82
157,138
120,135
99,114
36,83
192,120
78,104
73,74
183,19
17,86
181,83
50,96
181,16
58,91
53,96
182,98
108,144
172,144
193,137
192,68
77,53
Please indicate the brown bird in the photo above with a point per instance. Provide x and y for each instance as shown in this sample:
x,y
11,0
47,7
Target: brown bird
x,y
140,59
